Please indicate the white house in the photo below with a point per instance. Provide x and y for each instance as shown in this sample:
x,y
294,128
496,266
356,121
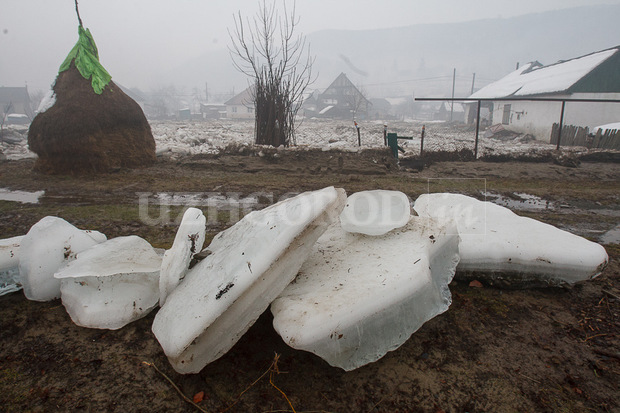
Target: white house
x,y
593,76
241,106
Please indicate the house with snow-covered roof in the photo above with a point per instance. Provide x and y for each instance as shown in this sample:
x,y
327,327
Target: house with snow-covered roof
x,y
592,76
241,106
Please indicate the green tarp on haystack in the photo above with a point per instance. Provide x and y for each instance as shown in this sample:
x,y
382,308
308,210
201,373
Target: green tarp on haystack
x,y
86,59
93,125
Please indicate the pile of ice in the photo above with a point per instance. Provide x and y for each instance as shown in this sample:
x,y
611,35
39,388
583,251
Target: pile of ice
x,y
348,279
359,296
501,246
182,138
112,283
249,266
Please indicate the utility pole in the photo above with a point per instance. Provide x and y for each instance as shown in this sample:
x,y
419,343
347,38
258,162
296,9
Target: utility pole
x,y
452,101
473,82
206,92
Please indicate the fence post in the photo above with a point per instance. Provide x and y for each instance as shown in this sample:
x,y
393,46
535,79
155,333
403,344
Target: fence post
x,y
561,125
477,130
385,134
422,140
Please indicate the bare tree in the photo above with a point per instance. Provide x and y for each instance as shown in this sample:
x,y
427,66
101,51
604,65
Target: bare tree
x,y
267,49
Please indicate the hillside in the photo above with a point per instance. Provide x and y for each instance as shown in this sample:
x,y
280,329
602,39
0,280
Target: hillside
x,y
420,58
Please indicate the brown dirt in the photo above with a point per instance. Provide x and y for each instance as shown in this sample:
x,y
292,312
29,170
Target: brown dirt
x,y
553,349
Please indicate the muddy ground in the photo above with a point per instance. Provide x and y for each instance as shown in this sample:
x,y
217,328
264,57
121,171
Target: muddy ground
x,y
553,349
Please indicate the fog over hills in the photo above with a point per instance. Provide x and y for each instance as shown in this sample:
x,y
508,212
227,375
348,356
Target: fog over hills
x,y
420,59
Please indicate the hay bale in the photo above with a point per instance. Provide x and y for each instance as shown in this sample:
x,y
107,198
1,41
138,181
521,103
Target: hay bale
x,y
86,132
93,126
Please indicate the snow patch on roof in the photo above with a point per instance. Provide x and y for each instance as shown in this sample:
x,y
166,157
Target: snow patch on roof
x,y
533,80
609,126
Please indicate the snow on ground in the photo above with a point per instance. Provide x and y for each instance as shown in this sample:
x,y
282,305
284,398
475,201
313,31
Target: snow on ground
x,y
178,138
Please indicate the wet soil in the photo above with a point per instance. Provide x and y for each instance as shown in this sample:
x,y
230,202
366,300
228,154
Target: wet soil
x,y
528,350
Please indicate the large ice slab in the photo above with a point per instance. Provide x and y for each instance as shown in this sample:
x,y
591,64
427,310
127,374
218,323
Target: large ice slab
x,y
507,248
251,263
358,297
375,212
111,284
50,244
189,240
9,265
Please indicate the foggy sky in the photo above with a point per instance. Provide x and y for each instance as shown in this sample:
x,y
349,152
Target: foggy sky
x,y
141,41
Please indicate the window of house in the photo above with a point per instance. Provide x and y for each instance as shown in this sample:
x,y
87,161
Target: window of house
x,y
506,116
234,109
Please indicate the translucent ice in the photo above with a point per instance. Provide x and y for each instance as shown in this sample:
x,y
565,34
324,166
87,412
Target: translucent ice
x,y
251,263
358,297
500,245
9,262
9,252
50,244
375,212
189,240
111,284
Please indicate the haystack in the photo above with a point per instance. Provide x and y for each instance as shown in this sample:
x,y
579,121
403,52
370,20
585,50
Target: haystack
x,y
93,126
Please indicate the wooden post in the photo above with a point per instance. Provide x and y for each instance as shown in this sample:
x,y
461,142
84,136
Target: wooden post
x,y
561,125
452,101
385,134
359,139
477,130
422,140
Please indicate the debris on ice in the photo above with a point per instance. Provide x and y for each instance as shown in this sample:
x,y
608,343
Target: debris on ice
x,y
112,283
507,248
49,245
189,240
358,297
375,212
249,266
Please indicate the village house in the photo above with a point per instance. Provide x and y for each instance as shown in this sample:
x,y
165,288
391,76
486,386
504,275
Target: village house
x,y
593,76
15,104
241,106
342,100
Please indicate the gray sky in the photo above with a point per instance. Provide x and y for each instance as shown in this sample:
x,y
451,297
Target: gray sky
x,y
138,39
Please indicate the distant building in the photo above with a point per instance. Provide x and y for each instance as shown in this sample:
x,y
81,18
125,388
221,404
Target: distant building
x,y
450,112
212,110
15,101
593,76
241,106
381,109
342,100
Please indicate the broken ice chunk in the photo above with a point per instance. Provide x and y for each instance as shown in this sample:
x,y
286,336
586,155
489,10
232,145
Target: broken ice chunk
x,y
375,212
9,262
508,249
111,284
251,263
188,241
50,244
358,297
9,252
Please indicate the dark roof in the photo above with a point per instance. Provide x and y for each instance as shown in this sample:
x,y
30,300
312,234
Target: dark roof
x,y
343,82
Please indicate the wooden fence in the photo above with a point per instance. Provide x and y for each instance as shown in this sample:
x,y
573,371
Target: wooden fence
x,y
579,136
